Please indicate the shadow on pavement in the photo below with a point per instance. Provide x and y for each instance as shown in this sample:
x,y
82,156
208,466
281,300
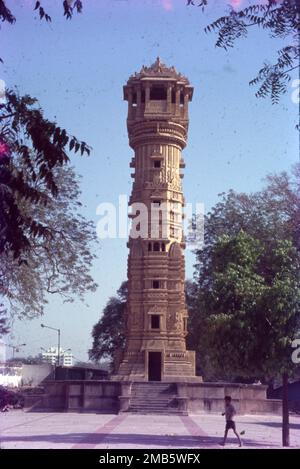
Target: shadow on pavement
x,y
111,440
292,425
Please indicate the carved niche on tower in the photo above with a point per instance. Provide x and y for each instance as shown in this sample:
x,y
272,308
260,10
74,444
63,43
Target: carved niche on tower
x,y
175,321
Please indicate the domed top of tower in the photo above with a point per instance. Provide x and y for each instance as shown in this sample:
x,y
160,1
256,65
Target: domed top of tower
x,y
160,71
157,93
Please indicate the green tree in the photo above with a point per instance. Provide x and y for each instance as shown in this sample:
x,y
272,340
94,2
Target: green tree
x,y
32,149
267,215
194,340
68,6
30,360
108,333
68,9
56,264
252,306
249,264
44,241
3,320
281,19
41,144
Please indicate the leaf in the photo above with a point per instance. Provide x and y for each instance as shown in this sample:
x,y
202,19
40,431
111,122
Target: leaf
x,y
71,145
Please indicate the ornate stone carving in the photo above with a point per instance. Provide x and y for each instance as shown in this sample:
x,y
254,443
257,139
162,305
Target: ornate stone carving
x,y
157,130
159,69
157,178
174,321
156,309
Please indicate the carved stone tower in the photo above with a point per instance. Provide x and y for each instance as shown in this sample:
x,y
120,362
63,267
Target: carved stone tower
x,y
156,317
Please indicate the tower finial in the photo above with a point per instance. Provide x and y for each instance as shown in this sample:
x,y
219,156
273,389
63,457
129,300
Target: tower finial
x,y
158,64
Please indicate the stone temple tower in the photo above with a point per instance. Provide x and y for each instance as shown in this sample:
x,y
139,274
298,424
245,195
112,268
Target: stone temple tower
x,y
156,317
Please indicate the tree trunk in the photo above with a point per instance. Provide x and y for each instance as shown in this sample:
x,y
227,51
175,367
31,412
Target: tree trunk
x,y
285,411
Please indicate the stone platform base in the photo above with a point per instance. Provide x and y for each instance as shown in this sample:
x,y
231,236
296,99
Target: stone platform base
x,y
154,397
247,398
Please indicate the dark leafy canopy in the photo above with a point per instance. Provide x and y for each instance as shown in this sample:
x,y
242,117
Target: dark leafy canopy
x,y
44,241
252,305
5,13
109,332
3,320
248,271
56,264
272,213
30,360
281,18
69,6
40,147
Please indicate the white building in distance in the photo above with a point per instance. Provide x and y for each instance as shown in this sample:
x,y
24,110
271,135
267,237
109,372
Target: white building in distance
x,y
65,356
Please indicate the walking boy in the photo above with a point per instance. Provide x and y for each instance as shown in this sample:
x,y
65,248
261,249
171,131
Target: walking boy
x,y
229,413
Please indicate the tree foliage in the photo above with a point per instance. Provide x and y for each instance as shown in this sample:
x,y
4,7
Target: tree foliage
x,y
248,270
281,19
252,305
30,360
3,320
31,150
109,332
68,9
56,264
44,241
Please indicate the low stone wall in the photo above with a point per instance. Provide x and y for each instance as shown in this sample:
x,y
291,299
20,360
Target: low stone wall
x,y
34,375
82,395
195,398
209,397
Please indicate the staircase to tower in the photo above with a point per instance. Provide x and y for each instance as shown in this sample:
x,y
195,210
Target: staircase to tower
x,y
155,398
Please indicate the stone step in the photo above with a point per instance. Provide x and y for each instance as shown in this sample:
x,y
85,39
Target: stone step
x,y
151,401
153,396
163,388
152,389
169,404
151,384
162,405
157,405
156,411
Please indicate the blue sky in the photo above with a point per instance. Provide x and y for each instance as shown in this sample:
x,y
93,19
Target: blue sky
x,y
77,69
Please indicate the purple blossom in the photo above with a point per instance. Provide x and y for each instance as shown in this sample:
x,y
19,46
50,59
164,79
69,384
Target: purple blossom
x,y
4,150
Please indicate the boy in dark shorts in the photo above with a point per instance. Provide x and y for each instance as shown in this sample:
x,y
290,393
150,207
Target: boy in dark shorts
x,y
230,423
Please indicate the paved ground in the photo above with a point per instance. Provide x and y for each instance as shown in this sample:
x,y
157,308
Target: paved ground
x,y
20,429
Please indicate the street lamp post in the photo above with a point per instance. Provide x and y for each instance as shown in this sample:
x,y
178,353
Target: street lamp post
x,y
15,348
58,340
